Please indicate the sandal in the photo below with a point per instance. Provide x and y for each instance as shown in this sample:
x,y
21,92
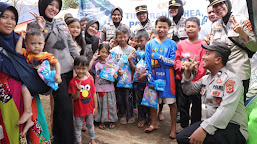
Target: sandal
x,y
150,129
112,125
141,124
123,120
102,126
131,120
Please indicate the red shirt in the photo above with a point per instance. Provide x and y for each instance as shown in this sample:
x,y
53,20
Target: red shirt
x,y
187,50
84,105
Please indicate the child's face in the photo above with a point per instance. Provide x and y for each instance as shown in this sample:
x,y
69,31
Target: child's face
x,y
122,38
103,53
83,25
74,29
142,42
133,42
192,29
153,35
35,43
113,43
80,70
162,29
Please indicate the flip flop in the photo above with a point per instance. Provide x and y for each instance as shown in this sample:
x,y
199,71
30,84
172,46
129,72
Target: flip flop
x,y
131,120
112,125
150,129
102,126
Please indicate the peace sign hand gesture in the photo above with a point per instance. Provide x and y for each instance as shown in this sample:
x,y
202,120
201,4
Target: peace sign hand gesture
x,y
78,85
237,27
40,21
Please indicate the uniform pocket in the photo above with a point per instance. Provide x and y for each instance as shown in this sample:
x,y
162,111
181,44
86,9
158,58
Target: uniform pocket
x,y
217,97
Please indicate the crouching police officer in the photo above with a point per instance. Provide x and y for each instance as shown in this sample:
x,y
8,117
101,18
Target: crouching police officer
x,y
222,92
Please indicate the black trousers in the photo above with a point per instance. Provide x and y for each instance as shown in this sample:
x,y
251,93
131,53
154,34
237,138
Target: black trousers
x,y
143,111
230,135
125,102
63,130
184,102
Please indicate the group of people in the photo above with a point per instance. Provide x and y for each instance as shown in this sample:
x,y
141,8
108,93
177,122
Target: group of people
x,y
213,68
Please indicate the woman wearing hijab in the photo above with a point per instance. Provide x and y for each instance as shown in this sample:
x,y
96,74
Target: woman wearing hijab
x,y
60,43
237,33
91,30
11,80
177,29
108,30
144,22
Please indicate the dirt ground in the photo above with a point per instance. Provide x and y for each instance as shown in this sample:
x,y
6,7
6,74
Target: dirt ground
x,y
125,134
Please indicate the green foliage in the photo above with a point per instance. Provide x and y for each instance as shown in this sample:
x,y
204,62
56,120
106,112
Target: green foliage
x,y
70,4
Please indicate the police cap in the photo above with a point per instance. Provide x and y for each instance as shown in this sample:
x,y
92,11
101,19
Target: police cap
x,y
213,2
141,8
175,3
219,47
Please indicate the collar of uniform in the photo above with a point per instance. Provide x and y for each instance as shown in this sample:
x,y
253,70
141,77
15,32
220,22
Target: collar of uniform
x,y
222,70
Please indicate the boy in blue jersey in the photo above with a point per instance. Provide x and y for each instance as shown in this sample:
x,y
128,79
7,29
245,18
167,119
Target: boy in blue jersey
x,y
160,54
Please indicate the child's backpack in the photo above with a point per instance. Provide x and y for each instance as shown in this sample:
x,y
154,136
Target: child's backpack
x,y
110,68
125,81
140,67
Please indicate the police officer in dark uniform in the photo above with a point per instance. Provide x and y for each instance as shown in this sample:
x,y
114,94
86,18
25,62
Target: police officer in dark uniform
x,y
222,93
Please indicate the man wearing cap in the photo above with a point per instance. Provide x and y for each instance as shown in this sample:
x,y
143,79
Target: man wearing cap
x,y
108,30
222,93
237,33
144,22
177,29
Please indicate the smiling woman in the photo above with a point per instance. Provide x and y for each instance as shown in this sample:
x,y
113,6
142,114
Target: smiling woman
x,y
91,30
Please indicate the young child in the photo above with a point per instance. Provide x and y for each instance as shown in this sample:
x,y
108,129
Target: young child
x,y
160,54
35,42
104,89
124,100
153,34
83,92
83,22
133,41
139,87
113,43
187,50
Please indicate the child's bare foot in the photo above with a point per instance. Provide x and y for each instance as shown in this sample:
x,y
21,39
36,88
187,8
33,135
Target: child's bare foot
x,y
25,116
93,142
173,135
161,117
141,123
27,126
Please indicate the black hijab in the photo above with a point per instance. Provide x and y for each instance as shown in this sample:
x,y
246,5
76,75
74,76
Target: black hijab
x,y
179,14
227,16
94,40
121,13
42,5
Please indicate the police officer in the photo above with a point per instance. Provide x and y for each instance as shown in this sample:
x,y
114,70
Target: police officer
x,y
237,33
108,30
177,29
222,93
144,22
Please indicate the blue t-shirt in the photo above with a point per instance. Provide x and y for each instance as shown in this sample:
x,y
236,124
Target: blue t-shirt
x,y
161,66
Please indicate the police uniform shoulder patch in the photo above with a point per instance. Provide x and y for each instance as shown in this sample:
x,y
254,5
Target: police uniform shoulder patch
x,y
230,86
249,25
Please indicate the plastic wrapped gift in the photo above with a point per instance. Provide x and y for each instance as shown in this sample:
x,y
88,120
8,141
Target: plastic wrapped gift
x,y
125,81
140,67
159,85
47,75
150,98
110,68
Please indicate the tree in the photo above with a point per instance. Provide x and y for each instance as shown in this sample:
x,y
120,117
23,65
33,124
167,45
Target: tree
x,y
70,4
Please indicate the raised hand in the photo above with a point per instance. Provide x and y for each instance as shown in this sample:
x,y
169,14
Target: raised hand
x,y
96,55
191,65
78,85
237,27
131,55
40,21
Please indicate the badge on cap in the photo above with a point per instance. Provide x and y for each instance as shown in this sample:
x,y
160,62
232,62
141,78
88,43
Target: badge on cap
x,y
230,86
